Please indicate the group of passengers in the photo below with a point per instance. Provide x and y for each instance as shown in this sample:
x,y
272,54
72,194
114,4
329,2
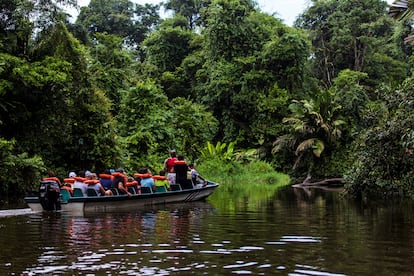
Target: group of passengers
x,y
179,172
116,181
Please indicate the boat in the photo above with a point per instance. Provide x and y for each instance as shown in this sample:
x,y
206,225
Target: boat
x,y
51,198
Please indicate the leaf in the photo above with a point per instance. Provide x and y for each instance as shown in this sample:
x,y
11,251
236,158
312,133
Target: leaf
x,y
315,144
305,145
318,148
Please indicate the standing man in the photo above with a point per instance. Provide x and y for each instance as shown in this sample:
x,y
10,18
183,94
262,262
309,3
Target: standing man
x,y
169,167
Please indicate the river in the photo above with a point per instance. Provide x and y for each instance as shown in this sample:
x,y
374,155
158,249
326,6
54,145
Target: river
x,y
256,230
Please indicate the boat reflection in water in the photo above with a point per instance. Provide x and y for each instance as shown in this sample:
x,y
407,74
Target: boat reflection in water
x,y
115,241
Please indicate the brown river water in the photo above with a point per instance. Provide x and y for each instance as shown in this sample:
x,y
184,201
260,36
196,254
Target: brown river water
x,y
260,230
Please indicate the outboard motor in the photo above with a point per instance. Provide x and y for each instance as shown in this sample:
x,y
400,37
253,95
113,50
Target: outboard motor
x,y
49,195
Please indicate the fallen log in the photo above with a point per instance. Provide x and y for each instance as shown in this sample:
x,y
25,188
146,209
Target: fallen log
x,y
326,182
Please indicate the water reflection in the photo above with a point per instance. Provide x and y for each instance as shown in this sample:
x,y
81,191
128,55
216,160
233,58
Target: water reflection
x,y
263,230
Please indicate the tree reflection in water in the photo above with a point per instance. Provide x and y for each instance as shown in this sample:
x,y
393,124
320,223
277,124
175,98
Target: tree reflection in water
x,y
255,229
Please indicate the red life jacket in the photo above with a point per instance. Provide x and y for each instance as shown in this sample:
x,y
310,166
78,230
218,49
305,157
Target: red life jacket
x,y
170,163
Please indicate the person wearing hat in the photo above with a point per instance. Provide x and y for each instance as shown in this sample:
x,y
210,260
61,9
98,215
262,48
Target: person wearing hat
x,y
69,186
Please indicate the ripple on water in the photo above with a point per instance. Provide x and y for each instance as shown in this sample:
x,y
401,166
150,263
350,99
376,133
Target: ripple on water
x,y
304,239
240,264
311,270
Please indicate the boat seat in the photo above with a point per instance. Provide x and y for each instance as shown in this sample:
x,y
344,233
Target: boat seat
x,y
77,192
175,187
146,190
160,189
65,195
186,184
91,192
115,191
132,190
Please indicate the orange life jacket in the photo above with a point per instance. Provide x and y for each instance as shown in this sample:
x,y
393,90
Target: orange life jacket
x,y
132,183
69,180
64,187
142,175
106,176
57,180
159,177
91,181
119,174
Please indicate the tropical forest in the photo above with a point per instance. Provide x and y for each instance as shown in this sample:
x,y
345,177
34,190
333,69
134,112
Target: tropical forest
x,y
228,86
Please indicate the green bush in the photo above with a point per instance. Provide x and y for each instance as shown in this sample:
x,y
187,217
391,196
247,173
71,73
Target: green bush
x,y
231,171
18,171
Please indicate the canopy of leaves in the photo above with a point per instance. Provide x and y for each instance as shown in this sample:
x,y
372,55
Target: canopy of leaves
x,y
122,18
352,34
167,47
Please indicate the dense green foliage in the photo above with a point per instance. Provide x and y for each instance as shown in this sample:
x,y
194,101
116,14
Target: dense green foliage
x,y
384,152
224,84
22,167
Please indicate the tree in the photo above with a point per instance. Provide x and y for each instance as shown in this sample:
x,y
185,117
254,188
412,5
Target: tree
x,y
352,96
247,83
193,125
152,125
51,98
285,57
169,45
111,68
122,18
19,19
384,153
227,34
190,9
166,49
113,17
314,127
18,171
352,35
145,124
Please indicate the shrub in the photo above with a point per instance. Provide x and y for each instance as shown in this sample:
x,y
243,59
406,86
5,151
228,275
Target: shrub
x,y
18,171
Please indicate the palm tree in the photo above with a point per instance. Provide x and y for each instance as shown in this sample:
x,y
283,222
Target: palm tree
x,y
313,125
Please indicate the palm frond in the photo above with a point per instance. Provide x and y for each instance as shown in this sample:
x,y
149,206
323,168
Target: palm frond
x,y
326,128
305,145
336,133
318,148
339,122
284,141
